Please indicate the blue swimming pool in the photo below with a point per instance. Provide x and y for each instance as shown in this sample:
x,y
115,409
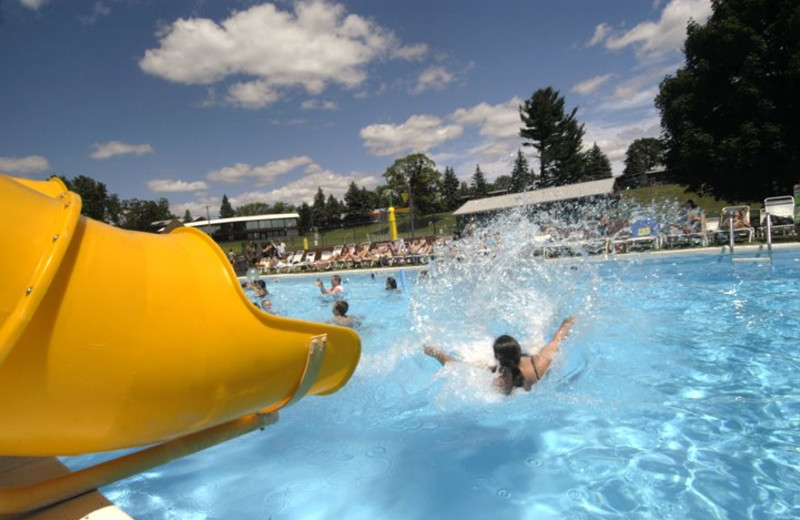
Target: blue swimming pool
x,y
676,396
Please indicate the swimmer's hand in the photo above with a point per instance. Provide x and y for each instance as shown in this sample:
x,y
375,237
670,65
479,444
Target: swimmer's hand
x,y
564,329
437,354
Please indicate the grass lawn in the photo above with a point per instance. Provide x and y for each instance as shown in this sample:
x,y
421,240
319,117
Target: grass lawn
x,y
711,206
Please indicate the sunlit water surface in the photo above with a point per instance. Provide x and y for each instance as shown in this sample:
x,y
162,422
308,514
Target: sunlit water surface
x,y
676,396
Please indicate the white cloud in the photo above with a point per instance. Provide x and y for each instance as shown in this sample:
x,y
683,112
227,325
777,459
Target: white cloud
x,y
600,34
112,148
252,94
33,4
654,39
170,186
316,45
315,104
591,85
418,134
433,78
261,175
499,121
411,52
23,165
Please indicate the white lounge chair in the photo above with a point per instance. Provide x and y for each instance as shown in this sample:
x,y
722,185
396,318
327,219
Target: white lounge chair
x,y
781,213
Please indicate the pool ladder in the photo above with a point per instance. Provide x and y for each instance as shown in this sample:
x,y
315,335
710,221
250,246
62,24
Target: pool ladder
x,y
758,257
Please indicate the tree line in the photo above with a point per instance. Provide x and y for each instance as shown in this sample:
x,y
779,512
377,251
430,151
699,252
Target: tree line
x,y
412,181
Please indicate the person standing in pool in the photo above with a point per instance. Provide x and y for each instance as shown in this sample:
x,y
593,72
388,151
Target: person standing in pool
x,y
515,368
336,285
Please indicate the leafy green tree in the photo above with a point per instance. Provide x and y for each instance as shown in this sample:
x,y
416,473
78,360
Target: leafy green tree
x,y
225,209
596,165
556,136
282,207
731,116
449,193
521,174
139,215
479,185
642,156
502,183
97,203
416,175
253,208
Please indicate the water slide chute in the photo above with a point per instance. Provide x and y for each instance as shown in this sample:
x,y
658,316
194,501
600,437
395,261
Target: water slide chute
x,y
112,339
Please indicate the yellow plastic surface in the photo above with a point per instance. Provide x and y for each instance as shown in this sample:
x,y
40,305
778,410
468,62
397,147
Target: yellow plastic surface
x,y
112,338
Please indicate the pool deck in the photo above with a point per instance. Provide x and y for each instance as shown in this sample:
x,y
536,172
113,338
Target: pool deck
x,y
22,471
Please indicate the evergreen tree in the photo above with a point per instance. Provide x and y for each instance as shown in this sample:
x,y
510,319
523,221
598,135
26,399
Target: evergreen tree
x,y
596,165
450,187
730,116
556,136
333,212
464,191
479,184
187,216
521,174
318,209
304,223
225,209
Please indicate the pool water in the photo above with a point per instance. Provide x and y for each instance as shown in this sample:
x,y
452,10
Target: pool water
x,y
675,396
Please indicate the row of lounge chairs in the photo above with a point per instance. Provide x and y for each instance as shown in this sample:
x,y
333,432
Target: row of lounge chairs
x,y
646,232
734,223
351,256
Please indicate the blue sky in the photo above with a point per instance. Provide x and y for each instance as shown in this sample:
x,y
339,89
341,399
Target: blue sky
x,y
264,102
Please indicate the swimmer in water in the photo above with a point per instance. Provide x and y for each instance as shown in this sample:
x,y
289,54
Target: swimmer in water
x,y
516,369
340,317
391,284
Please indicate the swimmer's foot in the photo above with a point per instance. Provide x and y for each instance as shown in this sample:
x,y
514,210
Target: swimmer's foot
x,y
437,354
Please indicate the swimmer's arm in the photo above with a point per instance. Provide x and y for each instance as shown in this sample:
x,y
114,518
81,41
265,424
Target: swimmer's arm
x,y
438,355
543,359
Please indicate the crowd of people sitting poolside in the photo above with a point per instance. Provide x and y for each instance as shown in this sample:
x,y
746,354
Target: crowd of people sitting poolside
x,y
273,258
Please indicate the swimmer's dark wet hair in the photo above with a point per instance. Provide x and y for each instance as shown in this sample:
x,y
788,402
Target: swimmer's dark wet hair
x,y
508,353
391,283
340,308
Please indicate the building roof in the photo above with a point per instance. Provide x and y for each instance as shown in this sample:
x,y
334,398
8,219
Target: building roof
x,y
531,198
217,221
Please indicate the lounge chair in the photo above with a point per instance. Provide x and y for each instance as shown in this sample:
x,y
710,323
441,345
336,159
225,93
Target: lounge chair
x,y
643,232
293,261
738,218
307,264
781,212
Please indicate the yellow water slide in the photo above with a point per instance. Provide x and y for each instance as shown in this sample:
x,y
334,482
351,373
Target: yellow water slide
x,y
112,339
